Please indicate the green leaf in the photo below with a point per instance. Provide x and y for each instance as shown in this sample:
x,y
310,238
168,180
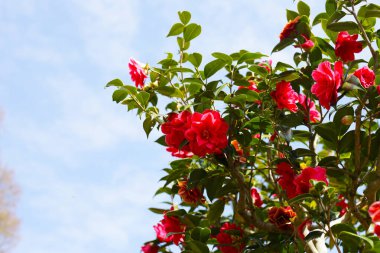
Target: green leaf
x,y
338,15
119,95
247,57
301,152
169,91
372,14
191,31
300,198
213,186
282,44
115,82
327,131
287,76
343,26
143,98
331,7
195,59
176,213
224,57
157,210
198,247
349,236
176,29
290,15
303,8
184,16
216,210
346,144
340,227
161,141
313,235
212,67
200,234
148,126
195,177
319,17
345,111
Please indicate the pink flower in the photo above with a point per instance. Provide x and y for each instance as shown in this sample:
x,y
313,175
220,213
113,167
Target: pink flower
x,y
346,45
307,45
327,83
366,76
207,134
149,248
230,242
309,107
169,225
285,96
138,74
302,181
256,198
289,29
174,129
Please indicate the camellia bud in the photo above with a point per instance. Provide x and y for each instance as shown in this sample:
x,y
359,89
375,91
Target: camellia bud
x,y
347,120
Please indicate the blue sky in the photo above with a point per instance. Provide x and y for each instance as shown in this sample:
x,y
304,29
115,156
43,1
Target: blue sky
x,y
85,168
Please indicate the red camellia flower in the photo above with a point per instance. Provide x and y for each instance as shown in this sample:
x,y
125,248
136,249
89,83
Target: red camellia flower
x,y
374,212
282,217
256,198
346,45
207,134
252,86
294,184
285,96
168,225
301,229
138,74
289,29
366,76
309,107
191,196
286,179
302,181
230,238
327,83
175,128
342,204
149,248
307,45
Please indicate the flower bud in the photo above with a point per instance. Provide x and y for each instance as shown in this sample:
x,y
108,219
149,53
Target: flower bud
x,y
347,120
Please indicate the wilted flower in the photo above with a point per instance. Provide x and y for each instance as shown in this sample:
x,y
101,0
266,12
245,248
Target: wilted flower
x,y
230,238
289,29
282,217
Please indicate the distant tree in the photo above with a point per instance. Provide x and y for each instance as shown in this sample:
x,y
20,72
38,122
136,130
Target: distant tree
x,y
9,222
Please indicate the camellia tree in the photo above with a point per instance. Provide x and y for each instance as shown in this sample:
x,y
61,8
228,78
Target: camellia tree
x,y
269,157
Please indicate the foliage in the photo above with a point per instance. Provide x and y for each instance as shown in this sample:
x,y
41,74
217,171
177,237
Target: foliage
x,y
271,157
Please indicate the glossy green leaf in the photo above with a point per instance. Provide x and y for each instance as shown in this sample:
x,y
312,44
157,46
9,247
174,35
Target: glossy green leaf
x,y
195,59
176,30
215,211
247,57
212,67
347,236
224,57
319,17
200,234
115,82
198,247
300,198
191,31
303,8
290,15
343,26
184,16
119,95
327,131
